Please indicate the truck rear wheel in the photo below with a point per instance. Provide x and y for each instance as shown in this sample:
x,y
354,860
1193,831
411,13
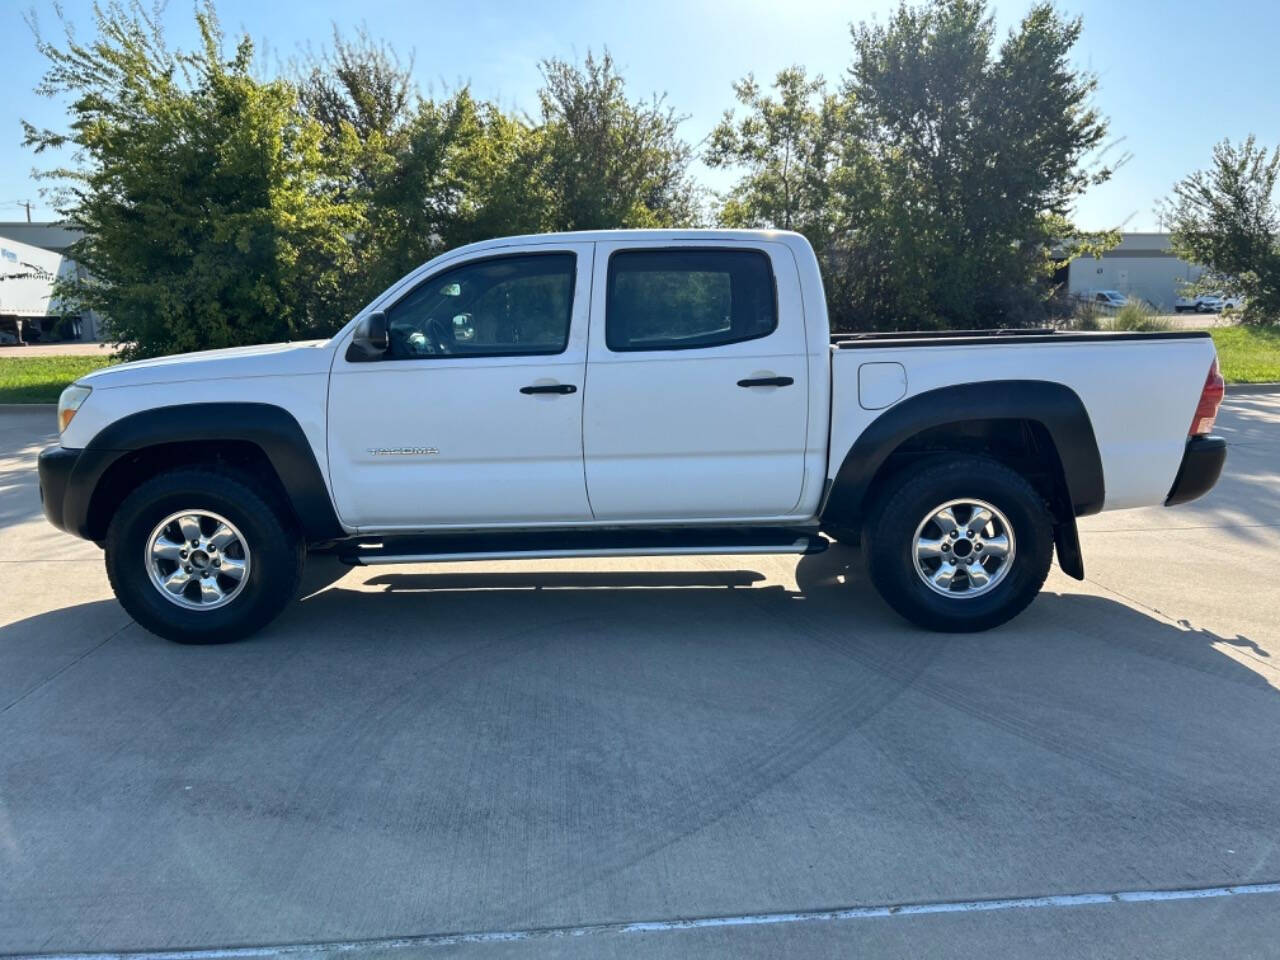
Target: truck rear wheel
x,y
963,545
199,556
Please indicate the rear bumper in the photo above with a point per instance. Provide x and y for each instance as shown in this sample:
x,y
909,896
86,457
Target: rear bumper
x,y
1201,466
56,465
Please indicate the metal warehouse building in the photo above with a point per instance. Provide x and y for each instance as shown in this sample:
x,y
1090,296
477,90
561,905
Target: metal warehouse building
x,y
1142,266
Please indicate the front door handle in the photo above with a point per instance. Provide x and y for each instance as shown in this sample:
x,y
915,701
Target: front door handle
x,y
550,388
767,382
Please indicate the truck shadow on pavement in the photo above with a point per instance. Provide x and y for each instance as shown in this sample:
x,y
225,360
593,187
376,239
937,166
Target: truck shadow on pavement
x,y
776,683
593,720
831,585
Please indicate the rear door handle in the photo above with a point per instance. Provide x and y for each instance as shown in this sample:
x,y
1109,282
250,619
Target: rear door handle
x,y
550,388
767,382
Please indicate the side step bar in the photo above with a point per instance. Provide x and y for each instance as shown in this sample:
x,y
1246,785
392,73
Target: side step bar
x,y
536,544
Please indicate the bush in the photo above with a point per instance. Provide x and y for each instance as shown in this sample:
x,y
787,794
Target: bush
x,y
1138,317
1087,317
1135,316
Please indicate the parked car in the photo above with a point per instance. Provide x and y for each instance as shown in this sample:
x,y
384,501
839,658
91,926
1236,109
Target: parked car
x,y
1217,302
623,393
1110,298
1207,302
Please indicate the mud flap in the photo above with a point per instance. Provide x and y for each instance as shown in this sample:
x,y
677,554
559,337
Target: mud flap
x,y
1066,542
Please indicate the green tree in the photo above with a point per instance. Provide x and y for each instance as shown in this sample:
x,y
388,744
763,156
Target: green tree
x,y
791,149
358,84
208,208
604,160
945,187
1227,219
982,152
452,172
427,175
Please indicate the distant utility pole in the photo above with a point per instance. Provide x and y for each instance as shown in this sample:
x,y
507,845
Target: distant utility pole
x,y
25,204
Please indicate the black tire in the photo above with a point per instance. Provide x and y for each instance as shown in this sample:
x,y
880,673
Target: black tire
x,y
276,550
891,531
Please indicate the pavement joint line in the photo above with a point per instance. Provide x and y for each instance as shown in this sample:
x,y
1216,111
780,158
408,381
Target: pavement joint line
x,y
1172,620
869,912
60,671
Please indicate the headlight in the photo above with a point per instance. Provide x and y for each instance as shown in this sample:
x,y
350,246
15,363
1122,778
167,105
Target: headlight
x,y
71,400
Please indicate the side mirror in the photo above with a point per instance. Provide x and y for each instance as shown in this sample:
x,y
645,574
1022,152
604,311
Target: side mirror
x,y
371,339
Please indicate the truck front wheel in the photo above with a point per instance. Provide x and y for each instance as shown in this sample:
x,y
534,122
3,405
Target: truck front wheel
x,y
962,545
199,556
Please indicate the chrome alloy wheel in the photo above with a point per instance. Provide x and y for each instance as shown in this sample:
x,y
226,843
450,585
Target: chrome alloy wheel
x,y
197,559
963,548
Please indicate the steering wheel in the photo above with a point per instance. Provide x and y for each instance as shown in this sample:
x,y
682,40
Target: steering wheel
x,y
440,336
432,340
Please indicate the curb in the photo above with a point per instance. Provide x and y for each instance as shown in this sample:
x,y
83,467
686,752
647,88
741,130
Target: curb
x,y
1244,389
45,408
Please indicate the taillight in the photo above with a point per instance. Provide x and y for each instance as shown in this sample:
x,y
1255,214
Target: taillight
x,y
1210,398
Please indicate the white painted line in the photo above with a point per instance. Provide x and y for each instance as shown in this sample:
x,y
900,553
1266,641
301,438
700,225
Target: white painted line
x,y
658,926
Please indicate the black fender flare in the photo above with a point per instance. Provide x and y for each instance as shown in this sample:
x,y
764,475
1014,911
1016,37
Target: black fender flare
x,y
270,428
1055,406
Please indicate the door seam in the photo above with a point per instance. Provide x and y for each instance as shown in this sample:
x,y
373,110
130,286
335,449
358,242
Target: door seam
x,y
586,372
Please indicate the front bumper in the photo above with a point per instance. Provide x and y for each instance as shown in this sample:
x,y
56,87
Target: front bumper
x,y
1201,466
56,465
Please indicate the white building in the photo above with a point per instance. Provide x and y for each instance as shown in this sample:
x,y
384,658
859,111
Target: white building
x,y
1142,266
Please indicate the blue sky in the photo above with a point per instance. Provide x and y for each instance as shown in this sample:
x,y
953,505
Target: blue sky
x,y
1175,76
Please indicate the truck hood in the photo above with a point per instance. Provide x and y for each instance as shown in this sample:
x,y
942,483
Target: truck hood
x,y
264,360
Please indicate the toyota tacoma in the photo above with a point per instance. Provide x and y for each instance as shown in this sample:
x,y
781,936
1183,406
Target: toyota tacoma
x,y
624,393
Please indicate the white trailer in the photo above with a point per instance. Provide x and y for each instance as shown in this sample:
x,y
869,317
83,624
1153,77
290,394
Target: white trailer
x,y
27,276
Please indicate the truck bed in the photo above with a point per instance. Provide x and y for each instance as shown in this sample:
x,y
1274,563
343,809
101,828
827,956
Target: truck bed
x,y
1139,390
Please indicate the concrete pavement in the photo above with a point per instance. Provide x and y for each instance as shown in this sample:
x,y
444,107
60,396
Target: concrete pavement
x,y
512,747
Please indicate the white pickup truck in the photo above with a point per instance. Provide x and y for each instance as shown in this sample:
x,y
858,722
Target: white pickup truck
x,y
623,393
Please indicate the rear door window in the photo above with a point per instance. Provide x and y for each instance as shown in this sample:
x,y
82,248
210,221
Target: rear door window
x,y
688,298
